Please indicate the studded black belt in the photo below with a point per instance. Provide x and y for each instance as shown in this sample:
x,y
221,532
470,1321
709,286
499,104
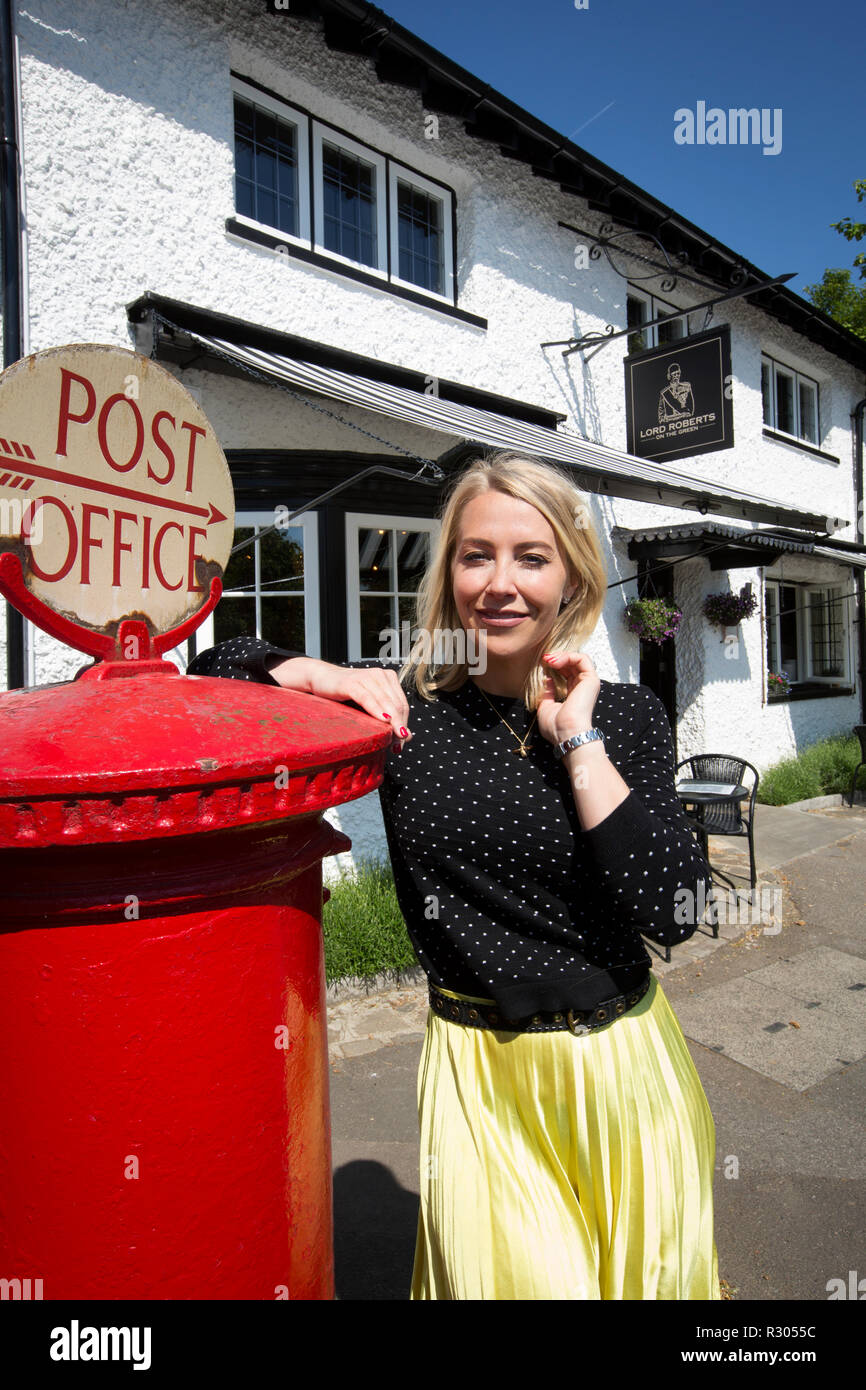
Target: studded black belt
x,y
485,1013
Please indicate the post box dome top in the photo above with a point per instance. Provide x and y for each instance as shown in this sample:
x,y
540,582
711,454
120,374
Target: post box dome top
x,y
116,502
101,760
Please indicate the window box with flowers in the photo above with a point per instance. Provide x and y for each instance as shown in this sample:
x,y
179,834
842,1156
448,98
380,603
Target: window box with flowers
x,y
778,685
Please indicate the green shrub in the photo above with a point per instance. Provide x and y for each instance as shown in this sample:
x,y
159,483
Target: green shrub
x,y
821,769
363,927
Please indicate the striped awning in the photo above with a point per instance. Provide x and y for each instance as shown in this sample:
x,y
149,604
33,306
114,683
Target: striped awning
x,y
598,467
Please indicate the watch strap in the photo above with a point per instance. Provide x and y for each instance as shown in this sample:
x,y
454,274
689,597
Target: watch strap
x,y
576,741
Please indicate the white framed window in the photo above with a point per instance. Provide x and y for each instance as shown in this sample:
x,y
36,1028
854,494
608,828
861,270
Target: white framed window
x,y
808,632
386,558
790,401
272,164
349,221
422,254
318,188
270,586
642,307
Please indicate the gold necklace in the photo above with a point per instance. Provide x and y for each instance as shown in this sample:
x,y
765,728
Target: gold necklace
x,y
521,751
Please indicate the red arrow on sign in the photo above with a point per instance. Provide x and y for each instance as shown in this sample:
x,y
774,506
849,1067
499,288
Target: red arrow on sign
x,y
115,489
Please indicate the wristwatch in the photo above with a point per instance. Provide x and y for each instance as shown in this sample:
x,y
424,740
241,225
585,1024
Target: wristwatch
x,y
576,740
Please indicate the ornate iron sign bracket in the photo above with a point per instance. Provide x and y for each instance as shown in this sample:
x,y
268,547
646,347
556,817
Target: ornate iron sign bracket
x,y
671,270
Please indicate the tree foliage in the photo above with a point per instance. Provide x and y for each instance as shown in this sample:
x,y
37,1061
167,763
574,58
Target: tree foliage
x,y
836,294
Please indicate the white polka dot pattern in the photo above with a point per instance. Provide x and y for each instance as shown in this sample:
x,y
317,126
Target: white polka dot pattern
x,y
533,911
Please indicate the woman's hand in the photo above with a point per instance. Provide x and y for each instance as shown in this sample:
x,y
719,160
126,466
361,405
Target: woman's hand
x,y
558,720
378,692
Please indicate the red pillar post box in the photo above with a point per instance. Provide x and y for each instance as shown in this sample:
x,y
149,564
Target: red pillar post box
x,y
164,1124
164,1120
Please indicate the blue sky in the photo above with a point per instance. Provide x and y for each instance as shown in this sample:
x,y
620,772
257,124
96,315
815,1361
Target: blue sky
x,y
612,76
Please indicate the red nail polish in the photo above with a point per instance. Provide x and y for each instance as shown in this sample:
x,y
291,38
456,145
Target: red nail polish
x,y
386,716
404,733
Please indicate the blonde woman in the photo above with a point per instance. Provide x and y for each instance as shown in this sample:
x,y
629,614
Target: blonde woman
x,y
567,1146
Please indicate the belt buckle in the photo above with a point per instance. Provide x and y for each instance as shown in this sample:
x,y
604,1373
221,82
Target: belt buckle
x,y
576,1028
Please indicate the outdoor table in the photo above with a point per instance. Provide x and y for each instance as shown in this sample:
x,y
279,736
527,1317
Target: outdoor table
x,y
697,793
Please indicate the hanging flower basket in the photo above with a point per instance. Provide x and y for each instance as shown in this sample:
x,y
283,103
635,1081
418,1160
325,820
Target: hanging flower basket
x,y
652,619
778,683
726,610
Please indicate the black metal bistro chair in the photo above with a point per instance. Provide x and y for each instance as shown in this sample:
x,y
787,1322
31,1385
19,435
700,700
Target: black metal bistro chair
x,y
723,815
860,731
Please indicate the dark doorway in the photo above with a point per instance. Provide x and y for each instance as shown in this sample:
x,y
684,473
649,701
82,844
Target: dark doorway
x,y
658,667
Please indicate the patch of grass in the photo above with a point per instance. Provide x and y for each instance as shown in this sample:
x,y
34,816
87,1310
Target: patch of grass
x,y
822,769
363,927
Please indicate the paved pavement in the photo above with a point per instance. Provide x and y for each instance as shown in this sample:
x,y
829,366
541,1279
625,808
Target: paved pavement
x,y
774,1011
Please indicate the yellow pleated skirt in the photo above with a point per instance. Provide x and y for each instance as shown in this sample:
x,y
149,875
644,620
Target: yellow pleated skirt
x,y
556,1166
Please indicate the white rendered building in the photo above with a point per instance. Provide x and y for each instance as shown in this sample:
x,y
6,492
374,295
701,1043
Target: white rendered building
x,y
353,253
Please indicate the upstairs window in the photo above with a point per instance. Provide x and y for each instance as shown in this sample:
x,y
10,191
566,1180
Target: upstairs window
x,y
321,189
790,401
642,308
271,163
421,233
349,200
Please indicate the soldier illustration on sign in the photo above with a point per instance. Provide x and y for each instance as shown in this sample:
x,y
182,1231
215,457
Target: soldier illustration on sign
x,y
676,401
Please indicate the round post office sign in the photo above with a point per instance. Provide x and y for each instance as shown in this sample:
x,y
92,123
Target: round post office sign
x,y
115,495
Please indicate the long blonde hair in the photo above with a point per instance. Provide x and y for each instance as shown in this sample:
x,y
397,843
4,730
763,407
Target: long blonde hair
x,y
553,493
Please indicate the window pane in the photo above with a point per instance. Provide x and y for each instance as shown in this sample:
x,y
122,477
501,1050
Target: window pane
x,y
767,394
243,158
376,617
825,622
349,205
808,412
788,632
283,622
406,613
240,571
243,120
785,402
281,559
234,617
670,332
420,237
374,560
412,551
245,198
637,312
772,646
266,163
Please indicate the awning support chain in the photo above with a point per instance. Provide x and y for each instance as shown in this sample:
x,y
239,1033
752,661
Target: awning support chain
x,y
437,471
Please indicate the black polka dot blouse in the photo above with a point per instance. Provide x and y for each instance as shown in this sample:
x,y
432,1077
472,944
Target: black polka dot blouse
x,y
504,895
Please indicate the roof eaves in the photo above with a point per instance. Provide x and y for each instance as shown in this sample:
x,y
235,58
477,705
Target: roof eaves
x,y
378,31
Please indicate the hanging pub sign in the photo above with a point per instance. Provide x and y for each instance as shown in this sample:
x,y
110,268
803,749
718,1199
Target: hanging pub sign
x,y
678,397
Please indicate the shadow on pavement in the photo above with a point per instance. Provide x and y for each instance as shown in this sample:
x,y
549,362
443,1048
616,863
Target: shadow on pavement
x,y
375,1222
